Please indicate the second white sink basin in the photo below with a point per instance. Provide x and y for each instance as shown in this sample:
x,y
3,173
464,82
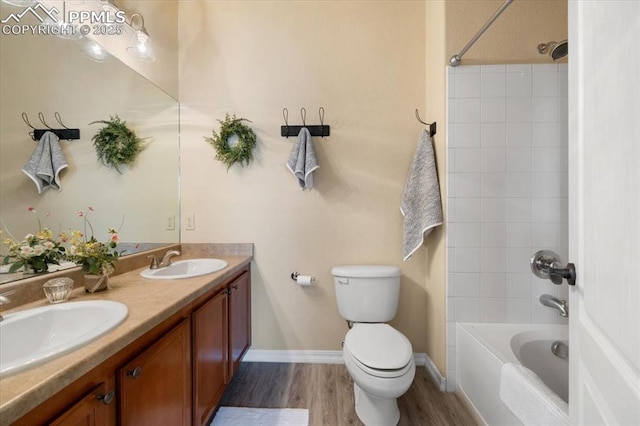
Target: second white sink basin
x,y
187,268
34,336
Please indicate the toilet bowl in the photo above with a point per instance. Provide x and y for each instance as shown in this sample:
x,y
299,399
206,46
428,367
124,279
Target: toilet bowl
x,y
378,357
381,364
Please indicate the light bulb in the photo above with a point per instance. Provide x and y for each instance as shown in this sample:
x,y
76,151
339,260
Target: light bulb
x,y
22,3
141,46
95,51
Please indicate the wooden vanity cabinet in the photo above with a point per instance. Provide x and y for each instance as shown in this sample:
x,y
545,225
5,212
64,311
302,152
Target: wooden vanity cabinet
x,y
174,374
239,320
95,409
210,356
155,386
221,336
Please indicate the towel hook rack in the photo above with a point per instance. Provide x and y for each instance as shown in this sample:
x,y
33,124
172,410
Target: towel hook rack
x,y
315,130
65,133
432,126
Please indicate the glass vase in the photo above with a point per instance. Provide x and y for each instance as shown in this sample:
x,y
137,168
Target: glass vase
x,y
94,283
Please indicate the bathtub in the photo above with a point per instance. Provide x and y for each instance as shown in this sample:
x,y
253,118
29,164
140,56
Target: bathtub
x,y
482,349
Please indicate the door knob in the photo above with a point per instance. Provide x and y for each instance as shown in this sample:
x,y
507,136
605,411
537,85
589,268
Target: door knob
x,y
546,264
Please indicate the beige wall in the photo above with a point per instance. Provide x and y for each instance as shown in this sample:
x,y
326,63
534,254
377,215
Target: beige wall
x,y
369,64
436,107
365,63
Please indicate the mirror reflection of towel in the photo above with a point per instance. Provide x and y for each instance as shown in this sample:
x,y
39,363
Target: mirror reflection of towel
x,y
46,162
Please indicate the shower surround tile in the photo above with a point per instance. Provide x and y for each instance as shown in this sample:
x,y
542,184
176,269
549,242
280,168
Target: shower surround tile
x,y
507,192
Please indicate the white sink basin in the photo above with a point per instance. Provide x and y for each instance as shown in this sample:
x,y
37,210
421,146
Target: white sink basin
x,y
187,268
35,336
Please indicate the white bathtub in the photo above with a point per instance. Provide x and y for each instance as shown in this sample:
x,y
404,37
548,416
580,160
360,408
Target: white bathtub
x,y
482,349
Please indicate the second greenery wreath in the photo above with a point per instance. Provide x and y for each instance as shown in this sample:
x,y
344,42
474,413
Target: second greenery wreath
x,y
241,152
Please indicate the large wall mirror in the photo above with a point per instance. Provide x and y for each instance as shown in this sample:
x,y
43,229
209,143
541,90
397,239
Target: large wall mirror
x,y
49,75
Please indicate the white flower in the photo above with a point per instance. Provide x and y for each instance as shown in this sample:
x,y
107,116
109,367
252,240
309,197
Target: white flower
x,y
38,250
26,251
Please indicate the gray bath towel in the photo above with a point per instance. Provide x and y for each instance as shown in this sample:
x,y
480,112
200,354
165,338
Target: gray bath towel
x,y
46,162
302,161
421,205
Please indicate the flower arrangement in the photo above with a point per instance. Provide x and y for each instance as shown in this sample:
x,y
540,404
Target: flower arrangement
x,y
36,251
95,257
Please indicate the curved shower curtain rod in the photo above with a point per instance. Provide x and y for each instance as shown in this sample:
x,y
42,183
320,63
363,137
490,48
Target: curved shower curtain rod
x,y
455,59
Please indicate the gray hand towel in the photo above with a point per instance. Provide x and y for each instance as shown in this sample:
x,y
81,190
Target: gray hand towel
x,y
302,161
421,205
46,162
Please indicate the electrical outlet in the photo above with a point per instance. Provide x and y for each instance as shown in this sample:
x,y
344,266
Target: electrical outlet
x,y
190,220
171,223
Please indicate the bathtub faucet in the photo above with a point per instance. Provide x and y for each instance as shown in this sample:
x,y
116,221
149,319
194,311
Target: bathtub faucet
x,y
555,303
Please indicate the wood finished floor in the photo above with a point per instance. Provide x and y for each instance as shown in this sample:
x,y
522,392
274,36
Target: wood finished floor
x,y
327,391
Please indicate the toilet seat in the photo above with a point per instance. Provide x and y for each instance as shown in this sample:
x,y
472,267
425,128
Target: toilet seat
x,y
379,349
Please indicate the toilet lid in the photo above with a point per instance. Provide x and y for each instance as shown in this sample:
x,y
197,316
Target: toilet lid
x,y
378,346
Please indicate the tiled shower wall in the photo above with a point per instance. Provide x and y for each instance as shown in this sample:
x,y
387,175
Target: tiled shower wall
x,y
507,192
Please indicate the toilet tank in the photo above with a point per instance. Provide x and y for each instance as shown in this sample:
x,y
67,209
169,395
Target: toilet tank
x,y
367,293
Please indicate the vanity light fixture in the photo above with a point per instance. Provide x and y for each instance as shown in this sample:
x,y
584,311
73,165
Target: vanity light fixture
x,y
22,3
141,46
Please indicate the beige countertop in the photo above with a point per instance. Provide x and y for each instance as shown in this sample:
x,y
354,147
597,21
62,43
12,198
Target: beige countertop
x,y
149,303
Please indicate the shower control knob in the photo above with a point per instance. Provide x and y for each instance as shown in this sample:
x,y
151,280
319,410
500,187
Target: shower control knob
x,y
558,274
546,264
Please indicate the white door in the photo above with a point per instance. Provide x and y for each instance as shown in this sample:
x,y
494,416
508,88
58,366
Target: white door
x,y
604,211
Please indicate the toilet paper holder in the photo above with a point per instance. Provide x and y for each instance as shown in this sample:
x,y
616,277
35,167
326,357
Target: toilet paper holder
x,y
295,275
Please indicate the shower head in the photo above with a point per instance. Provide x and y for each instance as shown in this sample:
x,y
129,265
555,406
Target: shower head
x,y
556,50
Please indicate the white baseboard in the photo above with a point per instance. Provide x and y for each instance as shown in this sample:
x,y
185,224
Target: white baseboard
x,y
437,378
331,357
312,357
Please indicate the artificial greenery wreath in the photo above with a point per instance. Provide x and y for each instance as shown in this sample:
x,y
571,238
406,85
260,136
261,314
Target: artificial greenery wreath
x,y
243,151
116,144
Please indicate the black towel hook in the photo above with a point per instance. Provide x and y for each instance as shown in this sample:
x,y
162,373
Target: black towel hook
x,y
59,120
25,118
41,117
321,114
303,114
432,126
285,115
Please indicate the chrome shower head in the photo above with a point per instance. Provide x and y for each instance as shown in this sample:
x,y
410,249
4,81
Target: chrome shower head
x,y
556,50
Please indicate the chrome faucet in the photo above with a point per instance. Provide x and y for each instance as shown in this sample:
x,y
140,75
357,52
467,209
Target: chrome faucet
x,y
4,300
555,303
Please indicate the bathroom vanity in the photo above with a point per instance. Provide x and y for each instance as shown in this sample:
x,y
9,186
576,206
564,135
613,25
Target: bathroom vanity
x,y
167,363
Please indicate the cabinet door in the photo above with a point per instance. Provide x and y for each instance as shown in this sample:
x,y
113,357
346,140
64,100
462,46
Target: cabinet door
x,y
239,320
155,387
210,356
91,410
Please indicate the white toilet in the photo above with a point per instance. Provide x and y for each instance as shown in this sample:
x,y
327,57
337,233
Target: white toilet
x,y
378,357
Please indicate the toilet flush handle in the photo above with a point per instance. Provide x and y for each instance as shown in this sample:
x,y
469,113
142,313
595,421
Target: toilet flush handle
x,y
343,281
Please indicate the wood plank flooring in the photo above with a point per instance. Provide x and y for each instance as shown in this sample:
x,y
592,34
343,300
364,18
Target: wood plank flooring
x,y
327,391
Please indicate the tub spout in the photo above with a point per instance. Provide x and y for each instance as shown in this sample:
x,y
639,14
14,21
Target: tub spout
x,y
555,303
